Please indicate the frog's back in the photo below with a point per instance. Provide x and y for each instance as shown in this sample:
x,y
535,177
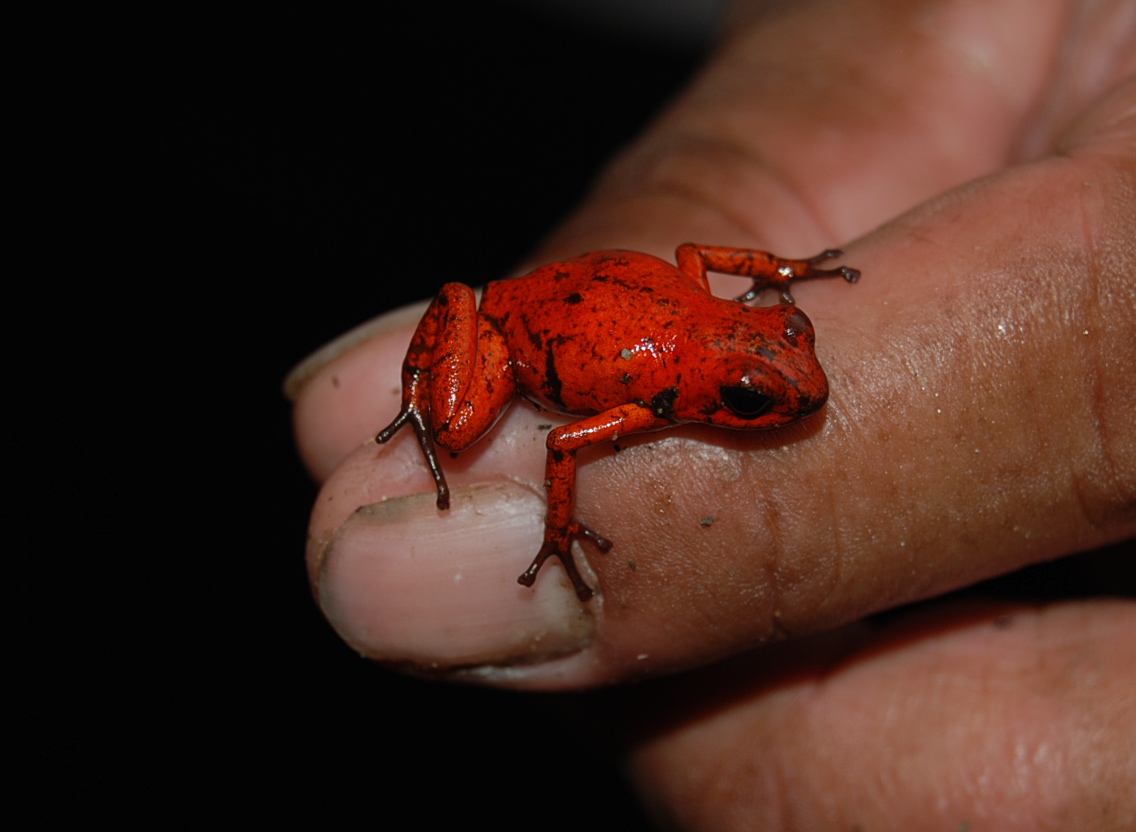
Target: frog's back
x,y
574,327
602,291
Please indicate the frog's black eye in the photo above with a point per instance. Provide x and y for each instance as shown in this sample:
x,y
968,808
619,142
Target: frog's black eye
x,y
745,402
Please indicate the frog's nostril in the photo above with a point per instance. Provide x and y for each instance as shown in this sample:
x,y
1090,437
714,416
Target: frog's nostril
x,y
745,402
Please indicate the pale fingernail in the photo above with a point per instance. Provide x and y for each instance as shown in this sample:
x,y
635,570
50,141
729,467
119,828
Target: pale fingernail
x,y
299,375
405,583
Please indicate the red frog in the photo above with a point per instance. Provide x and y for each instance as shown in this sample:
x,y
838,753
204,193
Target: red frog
x,y
623,340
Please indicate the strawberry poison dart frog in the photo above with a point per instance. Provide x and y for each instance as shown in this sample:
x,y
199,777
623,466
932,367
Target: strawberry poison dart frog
x,y
624,341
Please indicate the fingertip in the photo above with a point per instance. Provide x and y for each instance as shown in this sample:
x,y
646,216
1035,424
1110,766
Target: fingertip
x,y
436,592
345,391
297,379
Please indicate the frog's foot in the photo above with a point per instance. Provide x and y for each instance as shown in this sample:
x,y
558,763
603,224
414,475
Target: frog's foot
x,y
412,415
558,543
847,272
790,270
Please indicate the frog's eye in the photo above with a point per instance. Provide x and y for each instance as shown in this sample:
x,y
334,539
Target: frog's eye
x,y
745,402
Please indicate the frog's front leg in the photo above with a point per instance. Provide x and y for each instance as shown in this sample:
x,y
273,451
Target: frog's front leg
x,y
456,380
767,270
560,527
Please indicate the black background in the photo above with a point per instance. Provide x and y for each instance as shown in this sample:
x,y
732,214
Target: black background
x,y
316,173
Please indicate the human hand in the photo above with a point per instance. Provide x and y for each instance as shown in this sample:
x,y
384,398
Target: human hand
x,y
979,422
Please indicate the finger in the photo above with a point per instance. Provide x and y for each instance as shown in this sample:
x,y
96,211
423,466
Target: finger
x,y
981,381
342,392
940,93
997,718
816,122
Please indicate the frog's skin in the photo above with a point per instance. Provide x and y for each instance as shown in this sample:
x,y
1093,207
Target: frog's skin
x,y
623,340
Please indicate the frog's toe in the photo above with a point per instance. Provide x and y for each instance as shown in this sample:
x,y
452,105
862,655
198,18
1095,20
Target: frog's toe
x,y
597,539
528,577
561,548
827,254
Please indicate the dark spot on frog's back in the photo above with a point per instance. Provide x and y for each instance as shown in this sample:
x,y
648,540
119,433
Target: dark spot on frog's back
x,y
499,322
574,298
662,403
553,386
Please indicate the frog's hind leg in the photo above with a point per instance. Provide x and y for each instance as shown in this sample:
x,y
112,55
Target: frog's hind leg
x,y
767,270
456,380
413,414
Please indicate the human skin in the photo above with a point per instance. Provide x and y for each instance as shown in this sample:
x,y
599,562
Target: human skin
x,y
977,162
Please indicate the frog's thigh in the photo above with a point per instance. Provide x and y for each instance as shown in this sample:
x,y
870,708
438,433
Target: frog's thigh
x,y
471,408
451,341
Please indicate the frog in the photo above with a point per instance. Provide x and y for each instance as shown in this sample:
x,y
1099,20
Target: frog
x,y
622,341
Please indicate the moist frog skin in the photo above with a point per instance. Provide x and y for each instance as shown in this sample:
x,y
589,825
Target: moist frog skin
x,y
625,341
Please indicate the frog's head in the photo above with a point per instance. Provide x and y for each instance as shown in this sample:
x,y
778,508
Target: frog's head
x,y
768,373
